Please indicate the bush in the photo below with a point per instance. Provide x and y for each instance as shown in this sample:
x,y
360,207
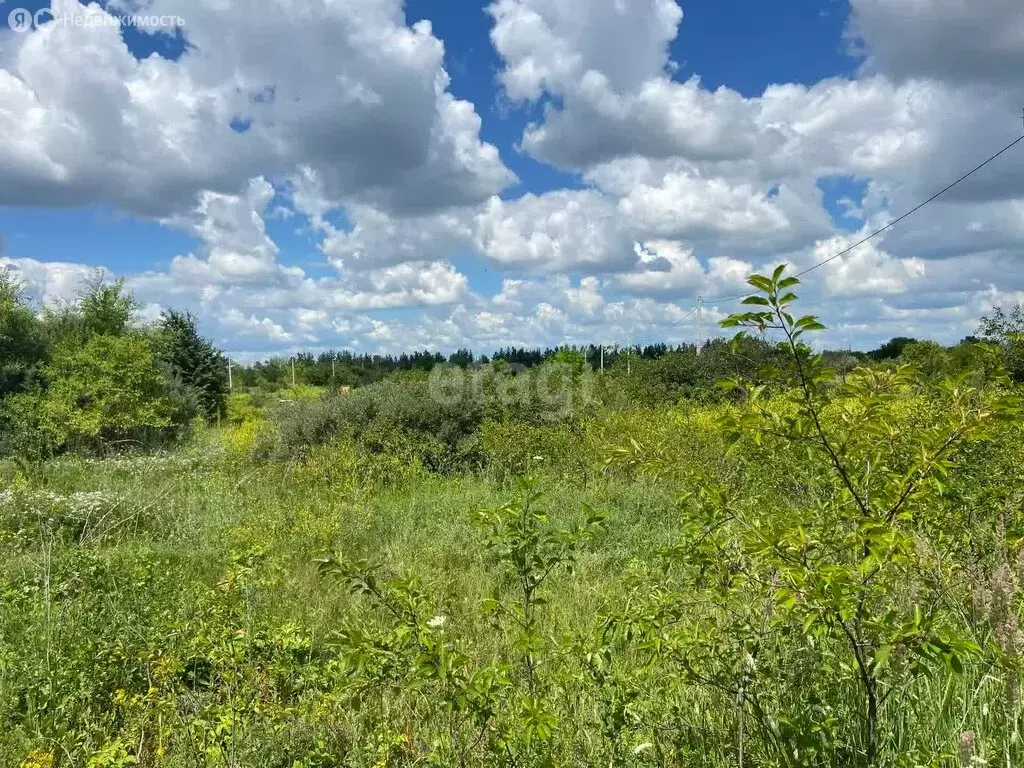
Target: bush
x,y
107,390
685,375
241,407
513,448
397,416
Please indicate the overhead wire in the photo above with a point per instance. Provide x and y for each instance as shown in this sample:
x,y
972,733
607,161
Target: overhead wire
x,y
681,320
891,224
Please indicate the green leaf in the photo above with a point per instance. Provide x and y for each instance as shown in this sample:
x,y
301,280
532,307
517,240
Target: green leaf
x,y
882,657
809,620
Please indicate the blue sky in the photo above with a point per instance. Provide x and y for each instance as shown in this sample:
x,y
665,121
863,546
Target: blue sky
x,y
565,171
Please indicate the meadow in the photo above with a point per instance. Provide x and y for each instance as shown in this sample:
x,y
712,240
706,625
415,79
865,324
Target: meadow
x,y
802,567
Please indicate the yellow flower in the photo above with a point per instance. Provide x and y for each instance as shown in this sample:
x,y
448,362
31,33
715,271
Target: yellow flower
x,y
37,759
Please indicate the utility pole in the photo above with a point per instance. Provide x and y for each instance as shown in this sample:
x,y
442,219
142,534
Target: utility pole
x,y
333,361
231,384
293,373
629,351
700,321
602,358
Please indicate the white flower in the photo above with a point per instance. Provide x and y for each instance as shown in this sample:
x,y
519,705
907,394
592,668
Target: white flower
x,y
437,622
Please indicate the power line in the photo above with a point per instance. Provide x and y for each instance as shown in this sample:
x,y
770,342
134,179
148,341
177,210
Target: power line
x,y
892,223
682,320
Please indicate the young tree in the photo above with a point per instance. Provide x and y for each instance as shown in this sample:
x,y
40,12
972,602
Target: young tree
x,y
816,600
194,361
930,358
836,573
107,389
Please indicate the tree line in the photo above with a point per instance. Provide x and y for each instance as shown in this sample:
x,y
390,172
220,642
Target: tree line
x,y
87,374
346,368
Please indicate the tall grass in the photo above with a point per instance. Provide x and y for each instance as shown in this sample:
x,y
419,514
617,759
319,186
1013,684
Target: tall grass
x,y
171,609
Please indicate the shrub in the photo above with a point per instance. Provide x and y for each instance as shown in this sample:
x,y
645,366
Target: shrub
x,y
21,341
399,416
241,407
513,448
107,390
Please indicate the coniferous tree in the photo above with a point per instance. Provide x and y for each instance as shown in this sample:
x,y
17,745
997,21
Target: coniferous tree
x,y
194,361
22,347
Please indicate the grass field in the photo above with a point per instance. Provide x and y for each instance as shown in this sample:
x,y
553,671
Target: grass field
x,y
528,569
176,609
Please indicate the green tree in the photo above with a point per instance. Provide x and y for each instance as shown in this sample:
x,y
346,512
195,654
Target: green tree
x,y
810,598
108,389
929,357
105,307
461,357
193,361
892,349
574,358
21,340
102,307
1006,328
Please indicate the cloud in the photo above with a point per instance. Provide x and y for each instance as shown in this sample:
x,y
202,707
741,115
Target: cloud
x,y
375,239
615,109
670,270
550,45
351,130
235,276
867,269
49,282
232,228
734,216
959,41
237,322
557,231
607,63
344,88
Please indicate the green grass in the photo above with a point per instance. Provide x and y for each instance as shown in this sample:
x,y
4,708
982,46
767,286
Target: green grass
x,y
182,519
184,619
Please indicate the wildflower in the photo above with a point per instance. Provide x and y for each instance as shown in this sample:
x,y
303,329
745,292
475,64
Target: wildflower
x,y
38,759
437,622
966,750
996,596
